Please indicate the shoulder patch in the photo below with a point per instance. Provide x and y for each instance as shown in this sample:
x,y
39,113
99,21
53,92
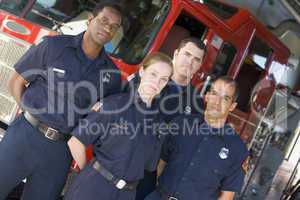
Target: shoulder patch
x,y
130,77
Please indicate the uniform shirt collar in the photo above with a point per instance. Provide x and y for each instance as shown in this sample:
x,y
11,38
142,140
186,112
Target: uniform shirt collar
x,y
225,131
211,131
76,43
178,88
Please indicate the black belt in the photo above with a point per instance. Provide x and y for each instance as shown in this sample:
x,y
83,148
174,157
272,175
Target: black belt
x,y
119,183
164,194
47,131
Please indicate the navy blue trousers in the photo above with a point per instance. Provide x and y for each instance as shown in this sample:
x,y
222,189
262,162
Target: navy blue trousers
x,y
91,185
26,153
154,196
146,185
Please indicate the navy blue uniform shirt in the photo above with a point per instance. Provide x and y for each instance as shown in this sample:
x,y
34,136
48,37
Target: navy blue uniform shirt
x,y
126,141
64,80
175,99
202,161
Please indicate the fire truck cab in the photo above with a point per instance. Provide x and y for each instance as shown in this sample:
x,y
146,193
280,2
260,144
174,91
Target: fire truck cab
x,y
238,45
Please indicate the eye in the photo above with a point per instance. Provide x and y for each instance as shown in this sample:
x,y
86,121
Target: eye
x,y
227,99
164,80
153,74
104,20
187,54
198,60
115,27
214,93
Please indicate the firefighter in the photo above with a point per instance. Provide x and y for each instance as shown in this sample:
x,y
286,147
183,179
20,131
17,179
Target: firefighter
x,y
123,136
55,84
179,97
204,158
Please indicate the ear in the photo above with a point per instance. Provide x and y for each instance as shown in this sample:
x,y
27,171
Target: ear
x,y
233,106
141,71
175,53
206,96
90,18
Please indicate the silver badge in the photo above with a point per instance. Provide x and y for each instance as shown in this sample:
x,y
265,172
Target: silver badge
x,y
106,77
187,110
224,153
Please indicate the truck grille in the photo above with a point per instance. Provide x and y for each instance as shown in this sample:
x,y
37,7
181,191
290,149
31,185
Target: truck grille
x,y
295,4
294,7
11,50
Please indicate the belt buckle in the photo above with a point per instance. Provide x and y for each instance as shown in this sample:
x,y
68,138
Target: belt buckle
x,y
172,198
121,184
50,133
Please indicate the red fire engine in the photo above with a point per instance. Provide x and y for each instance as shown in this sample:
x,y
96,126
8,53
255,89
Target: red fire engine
x,y
238,45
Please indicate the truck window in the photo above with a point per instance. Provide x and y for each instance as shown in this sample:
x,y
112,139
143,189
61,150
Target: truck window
x,y
253,67
222,10
51,13
140,28
185,26
223,60
13,6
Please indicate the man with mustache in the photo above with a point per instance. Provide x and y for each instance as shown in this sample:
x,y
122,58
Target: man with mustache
x,y
204,158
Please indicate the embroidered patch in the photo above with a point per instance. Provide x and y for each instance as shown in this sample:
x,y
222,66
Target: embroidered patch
x,y
61,71
188,110
106,78
224,153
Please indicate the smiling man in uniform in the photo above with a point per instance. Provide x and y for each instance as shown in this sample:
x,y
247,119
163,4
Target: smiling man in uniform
x,y
56,83
204,158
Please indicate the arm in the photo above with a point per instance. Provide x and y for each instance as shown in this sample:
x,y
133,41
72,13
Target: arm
x,y
28,67
17,85
233,182
83,137
160,167
226,195
78,151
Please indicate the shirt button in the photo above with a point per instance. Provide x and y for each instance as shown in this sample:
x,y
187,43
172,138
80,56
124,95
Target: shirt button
x,y
199,150
192,164
183,179
205,139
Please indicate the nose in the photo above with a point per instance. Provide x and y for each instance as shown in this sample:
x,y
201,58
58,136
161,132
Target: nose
x,y
107,28
157,83
218,100
190,60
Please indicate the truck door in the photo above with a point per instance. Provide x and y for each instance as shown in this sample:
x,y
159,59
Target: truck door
x,y
226,54
256,86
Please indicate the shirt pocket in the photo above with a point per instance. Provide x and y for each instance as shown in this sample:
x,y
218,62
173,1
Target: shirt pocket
x,y
209,174
62,72
218,169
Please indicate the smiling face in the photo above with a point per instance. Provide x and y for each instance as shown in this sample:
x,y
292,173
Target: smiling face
x,y
220,101
154,78
187,60
103,27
